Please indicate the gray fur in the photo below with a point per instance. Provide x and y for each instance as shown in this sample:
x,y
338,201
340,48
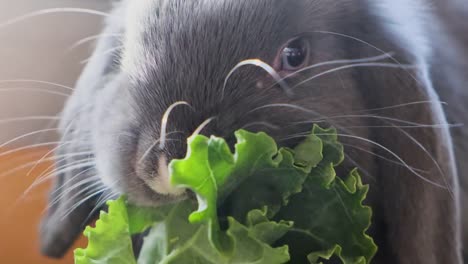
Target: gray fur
x,y
183,50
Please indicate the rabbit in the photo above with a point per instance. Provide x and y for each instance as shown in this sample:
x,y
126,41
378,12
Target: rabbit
x,y
387,74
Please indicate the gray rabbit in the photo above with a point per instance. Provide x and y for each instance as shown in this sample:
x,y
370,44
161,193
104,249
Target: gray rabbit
x,y
377,70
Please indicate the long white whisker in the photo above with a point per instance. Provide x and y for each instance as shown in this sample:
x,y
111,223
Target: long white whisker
x,y
67,130
94,180
54,158
37,82
412,126
361,170
34,90
261,123
292,106
380,156
402,105
386,150
19,168
93,177
266,67
333,62
101,201
45,155
93,194
49,168
70,167
49,124
62,158
24,166
350,37
65,133
424,149
26,135
88,161
28,118
365,43
357,65
5,153
415,141
35,184
406,122
23,196
202,126
323,118
91,38
52,11
156,142
357,165
164,121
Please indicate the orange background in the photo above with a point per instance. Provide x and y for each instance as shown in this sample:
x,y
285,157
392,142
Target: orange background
x,y
19,218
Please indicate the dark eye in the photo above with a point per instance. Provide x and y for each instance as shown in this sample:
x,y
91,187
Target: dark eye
x,y
294,55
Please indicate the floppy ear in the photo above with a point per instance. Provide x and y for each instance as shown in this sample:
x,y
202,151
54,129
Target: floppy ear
x,y
71,208
70,201
419,201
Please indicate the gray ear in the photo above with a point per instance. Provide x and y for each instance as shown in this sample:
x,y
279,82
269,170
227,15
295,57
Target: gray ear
x,y
72,207
420,213
464,203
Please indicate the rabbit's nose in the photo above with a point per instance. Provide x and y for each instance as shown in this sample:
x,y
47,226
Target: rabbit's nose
x,y
160,182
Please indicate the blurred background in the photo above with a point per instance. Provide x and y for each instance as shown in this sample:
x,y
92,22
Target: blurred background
x,y
37,48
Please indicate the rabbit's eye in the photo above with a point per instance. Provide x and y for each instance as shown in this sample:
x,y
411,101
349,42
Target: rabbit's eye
x,y
294,55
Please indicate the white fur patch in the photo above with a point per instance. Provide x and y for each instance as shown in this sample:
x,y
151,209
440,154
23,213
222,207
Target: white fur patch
x,y
161,182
